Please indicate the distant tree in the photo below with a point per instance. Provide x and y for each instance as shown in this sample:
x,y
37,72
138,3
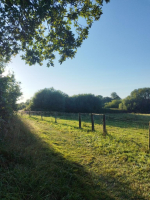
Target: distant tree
x,y
28,101
138,101
85,103
100,96
106,100
39,28
48,99
121,106
21,106
113,104
70,104
115,96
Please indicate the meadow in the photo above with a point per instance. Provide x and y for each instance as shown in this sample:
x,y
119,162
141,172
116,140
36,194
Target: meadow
x,y
41,159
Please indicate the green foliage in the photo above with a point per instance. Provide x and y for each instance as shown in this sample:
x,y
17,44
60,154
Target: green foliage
x,y
115,96
24,105
113,104
138,101
121,106
40,28
55,100
106,100
21,106
9,92
48,99
85,103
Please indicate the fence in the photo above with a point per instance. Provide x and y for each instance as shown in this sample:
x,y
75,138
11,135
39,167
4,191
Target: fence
x,y
56,114
106,120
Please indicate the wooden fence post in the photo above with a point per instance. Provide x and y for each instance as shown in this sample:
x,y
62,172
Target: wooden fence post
x,y
104,125
41,116
79,120
149,138
29,113
92,120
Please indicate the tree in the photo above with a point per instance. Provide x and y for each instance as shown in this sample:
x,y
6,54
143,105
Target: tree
x,y
113,104
9,93
106,100
137,101
21,106
115,96
48,99
85,103
39,28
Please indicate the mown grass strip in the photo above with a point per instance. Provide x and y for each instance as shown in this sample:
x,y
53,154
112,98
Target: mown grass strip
x,y
42,159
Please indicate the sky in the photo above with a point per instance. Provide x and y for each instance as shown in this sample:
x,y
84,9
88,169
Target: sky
x,y
114,58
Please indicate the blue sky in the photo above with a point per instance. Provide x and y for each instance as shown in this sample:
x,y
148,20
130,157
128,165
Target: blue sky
x,y
114,58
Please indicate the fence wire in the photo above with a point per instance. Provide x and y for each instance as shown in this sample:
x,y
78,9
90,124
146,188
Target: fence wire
x,y
120,120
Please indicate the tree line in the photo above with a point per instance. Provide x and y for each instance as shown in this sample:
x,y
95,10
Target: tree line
x,y
49,99
138,101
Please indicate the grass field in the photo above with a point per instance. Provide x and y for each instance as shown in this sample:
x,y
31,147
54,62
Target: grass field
x,y
41,159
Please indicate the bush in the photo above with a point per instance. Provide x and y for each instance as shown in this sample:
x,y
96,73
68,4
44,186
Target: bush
x,y
9,93
113,104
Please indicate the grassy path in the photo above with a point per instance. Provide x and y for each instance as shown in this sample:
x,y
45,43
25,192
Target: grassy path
x,y
47,160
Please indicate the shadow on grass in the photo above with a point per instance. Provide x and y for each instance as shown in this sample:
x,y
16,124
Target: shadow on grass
x,y
32,169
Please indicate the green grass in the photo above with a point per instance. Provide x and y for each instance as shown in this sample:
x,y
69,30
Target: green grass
x,y
41,159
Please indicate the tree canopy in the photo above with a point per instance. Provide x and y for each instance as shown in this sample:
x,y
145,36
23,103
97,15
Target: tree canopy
x,y
50,99
39,28
137,101
85,103
115,96
113,104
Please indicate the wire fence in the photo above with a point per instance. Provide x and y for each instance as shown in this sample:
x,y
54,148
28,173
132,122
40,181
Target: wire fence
x,y
121,120
91,120
104,122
